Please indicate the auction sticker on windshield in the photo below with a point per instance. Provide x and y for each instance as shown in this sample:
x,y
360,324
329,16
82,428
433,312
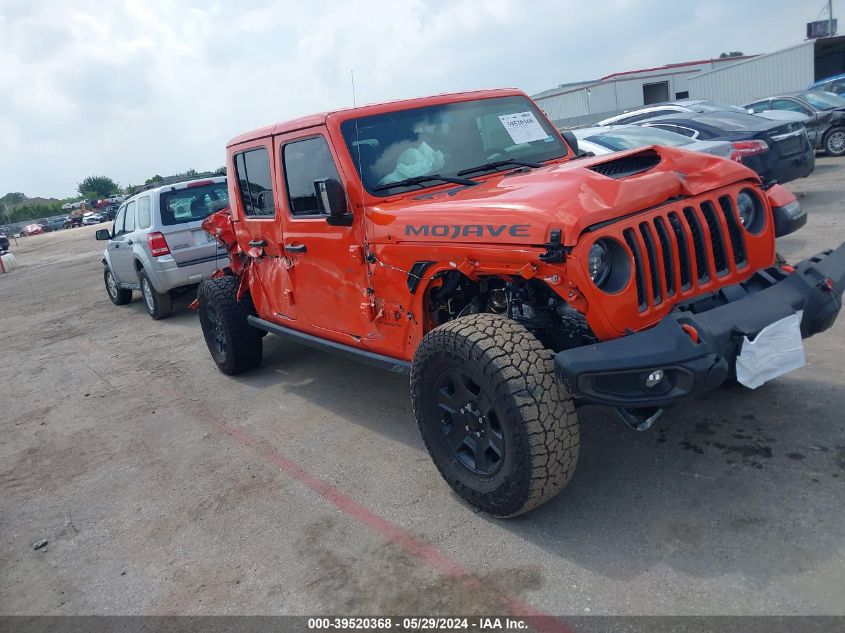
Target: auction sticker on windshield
x,y
523,127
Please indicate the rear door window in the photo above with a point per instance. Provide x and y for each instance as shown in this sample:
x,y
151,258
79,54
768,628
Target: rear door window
x,y
193,203
306,161
252,169
144,220
760,106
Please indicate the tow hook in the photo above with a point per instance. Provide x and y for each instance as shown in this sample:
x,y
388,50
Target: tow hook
x,y
640,419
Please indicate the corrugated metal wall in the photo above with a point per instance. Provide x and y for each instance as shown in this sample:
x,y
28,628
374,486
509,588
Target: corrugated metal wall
x,y
591,103
776,73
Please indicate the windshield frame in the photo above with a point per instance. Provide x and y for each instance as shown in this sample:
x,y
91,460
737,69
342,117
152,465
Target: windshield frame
x,y
353,132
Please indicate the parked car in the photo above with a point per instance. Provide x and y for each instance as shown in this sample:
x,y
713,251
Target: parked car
x,y
73,220
825,114
57,223
834,84
777,151
458,238
4,242
109,212
690,106
604,140
31,229
45,224
90,218
158,246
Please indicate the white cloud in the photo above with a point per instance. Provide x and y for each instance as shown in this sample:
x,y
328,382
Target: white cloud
x,y
135,88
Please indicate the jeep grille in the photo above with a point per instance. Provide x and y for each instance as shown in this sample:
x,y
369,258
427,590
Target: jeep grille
x,y
681,250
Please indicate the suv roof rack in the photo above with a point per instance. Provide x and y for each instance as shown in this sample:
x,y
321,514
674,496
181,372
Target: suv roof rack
x,y
172,180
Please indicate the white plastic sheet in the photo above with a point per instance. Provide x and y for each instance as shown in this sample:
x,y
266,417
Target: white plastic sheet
x,y
776,350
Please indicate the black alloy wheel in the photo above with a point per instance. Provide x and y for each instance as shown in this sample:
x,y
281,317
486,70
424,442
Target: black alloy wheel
x,y
469,422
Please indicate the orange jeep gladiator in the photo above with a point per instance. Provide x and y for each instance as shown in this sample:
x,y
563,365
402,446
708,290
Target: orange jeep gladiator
x,y
463,240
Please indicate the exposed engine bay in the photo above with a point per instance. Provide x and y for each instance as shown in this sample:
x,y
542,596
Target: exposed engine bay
x,y
531,303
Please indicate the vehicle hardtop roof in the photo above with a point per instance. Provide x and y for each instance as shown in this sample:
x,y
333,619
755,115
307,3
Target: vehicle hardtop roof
x,y
313,120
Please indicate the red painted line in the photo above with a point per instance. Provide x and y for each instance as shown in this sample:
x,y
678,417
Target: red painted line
x,y
433,557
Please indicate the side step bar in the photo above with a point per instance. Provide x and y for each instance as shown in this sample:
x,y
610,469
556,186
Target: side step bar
x,y
396,365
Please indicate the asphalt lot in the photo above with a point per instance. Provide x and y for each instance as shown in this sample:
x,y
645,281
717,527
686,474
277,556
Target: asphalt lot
x,y
164,486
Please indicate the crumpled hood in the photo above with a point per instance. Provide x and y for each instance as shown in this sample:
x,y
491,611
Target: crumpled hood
x,y
523,207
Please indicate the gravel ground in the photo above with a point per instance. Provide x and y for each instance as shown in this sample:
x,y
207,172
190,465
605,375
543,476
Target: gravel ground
x,y
163,486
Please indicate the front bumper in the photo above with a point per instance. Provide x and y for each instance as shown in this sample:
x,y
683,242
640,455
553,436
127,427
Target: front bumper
x,y
696,345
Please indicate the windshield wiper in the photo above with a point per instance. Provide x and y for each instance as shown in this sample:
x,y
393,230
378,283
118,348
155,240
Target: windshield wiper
x,y
418,180
500,163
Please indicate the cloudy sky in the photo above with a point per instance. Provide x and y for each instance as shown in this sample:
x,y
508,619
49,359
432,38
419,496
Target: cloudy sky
x,y
130,89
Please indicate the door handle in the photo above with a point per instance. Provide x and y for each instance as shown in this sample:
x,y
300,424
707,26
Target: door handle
x,y
257,243
295,248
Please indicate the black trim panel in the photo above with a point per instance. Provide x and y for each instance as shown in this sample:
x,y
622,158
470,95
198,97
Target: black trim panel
x,y
220,255
395,365
416,274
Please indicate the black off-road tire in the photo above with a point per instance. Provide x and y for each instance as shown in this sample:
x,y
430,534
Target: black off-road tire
x,y
534,413
234,344
834,142
119,296
159,305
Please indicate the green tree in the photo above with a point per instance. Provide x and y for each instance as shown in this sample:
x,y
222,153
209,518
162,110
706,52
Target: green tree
x,y
155,178
731,54
220,171
100,186
13,198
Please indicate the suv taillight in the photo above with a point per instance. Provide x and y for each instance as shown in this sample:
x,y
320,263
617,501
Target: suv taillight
x,y
158,245
748,148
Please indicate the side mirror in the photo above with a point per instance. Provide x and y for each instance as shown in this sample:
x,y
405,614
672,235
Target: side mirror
x,y
331,199
102,234
570,139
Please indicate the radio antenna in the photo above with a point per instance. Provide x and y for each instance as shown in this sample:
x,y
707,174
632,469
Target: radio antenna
x,y
358,141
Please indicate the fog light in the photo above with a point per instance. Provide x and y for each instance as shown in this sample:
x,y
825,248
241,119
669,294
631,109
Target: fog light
x,y
654,378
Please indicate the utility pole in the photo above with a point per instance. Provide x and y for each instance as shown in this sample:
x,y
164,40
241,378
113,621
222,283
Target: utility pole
x,y
829,18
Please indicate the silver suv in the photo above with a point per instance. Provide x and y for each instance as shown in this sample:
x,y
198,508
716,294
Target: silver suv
x,y
158,246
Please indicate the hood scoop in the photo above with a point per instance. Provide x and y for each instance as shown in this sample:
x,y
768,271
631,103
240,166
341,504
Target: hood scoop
x,y
629,165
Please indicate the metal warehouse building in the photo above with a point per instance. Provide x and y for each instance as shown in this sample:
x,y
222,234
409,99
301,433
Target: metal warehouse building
x,y
590,101
786,70
736,80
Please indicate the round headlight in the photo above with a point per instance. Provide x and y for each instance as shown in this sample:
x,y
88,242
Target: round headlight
x,y
749,209
598,263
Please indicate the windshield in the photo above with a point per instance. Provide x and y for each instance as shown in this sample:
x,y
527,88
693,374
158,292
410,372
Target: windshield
x,y
824,100
447,140
638,137
192,203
